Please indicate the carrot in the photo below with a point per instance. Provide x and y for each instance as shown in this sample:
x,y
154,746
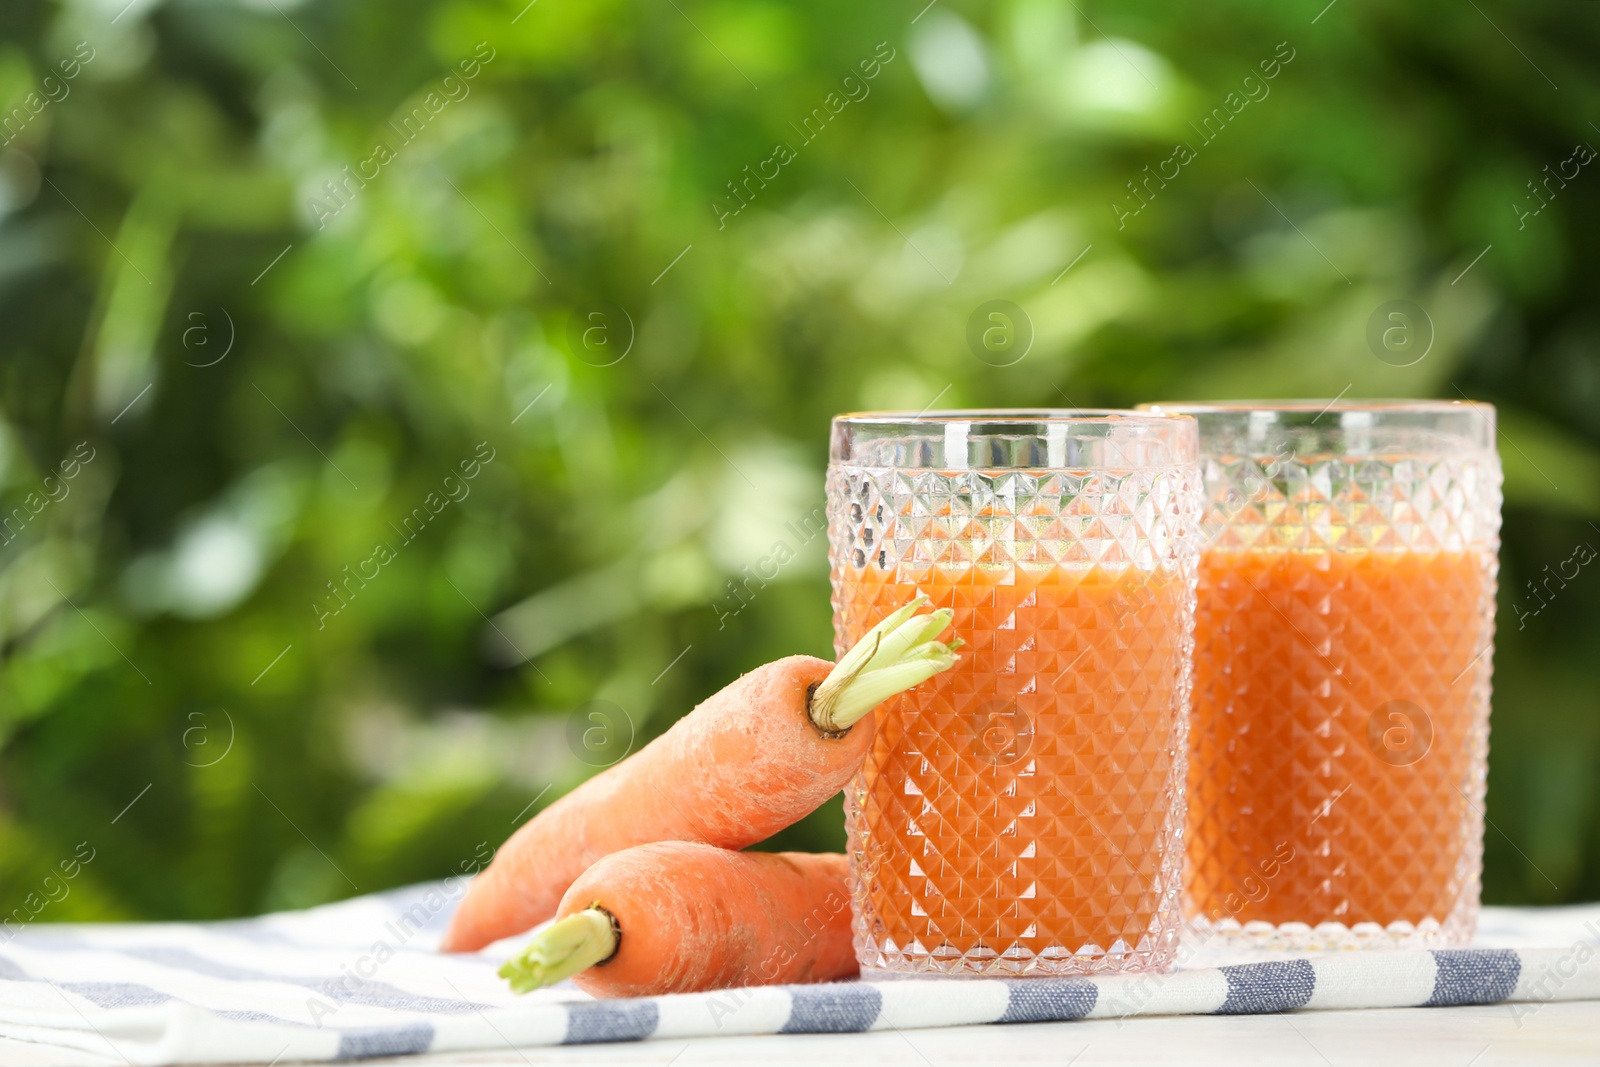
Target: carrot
x,y
680,917
756,757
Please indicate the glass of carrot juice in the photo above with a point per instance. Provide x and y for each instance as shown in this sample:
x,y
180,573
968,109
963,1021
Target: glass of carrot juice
x,y
1344,633
1021,813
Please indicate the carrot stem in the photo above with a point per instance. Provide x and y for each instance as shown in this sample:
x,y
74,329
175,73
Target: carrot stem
x,y
561,950
901,651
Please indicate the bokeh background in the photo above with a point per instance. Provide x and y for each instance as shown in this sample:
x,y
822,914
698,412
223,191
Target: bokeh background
x,y
229,370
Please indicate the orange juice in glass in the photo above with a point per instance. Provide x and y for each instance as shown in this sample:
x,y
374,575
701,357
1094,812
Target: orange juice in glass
x,y
1344,634
1021,813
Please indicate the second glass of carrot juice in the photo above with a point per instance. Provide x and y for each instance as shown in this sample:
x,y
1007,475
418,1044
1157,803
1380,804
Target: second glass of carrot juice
x,y
1022,813
1343,644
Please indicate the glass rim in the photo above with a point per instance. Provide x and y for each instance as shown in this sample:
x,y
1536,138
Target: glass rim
x,y
1380,404
1014,439
1081,416
1345,427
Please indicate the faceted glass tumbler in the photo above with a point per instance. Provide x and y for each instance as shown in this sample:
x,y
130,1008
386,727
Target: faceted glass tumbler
x,y
1022,813
1344,636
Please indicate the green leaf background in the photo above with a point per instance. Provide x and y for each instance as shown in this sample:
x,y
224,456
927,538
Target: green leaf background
x,y
267,399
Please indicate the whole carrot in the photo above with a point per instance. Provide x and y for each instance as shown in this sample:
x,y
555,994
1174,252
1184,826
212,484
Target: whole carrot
x,y
756,757
681,917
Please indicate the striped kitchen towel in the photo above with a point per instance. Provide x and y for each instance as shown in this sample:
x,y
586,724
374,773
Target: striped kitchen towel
x,y
361,978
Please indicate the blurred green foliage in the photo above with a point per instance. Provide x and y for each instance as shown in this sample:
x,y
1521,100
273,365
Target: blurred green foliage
x,y
272,372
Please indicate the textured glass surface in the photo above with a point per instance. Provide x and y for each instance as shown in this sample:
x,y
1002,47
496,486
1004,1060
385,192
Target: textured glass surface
x,y
1344,641
1023,812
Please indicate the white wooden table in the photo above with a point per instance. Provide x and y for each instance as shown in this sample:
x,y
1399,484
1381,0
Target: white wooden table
x,y
1415,1037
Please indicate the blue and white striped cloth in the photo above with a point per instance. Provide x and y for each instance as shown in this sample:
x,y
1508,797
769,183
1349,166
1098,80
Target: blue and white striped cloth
x,y
361,978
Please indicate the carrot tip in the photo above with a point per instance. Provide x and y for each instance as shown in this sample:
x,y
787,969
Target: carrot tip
x,y
561,950
898,653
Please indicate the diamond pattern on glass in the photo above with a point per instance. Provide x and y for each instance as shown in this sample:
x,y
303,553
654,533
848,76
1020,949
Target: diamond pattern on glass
x,y
1023,813
1333,591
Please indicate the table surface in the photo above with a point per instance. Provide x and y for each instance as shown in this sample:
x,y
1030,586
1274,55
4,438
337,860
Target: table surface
x,y
1554,1033
1528,1033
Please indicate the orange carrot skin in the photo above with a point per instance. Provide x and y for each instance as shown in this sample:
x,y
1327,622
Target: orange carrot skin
x,y
743,765
694,917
